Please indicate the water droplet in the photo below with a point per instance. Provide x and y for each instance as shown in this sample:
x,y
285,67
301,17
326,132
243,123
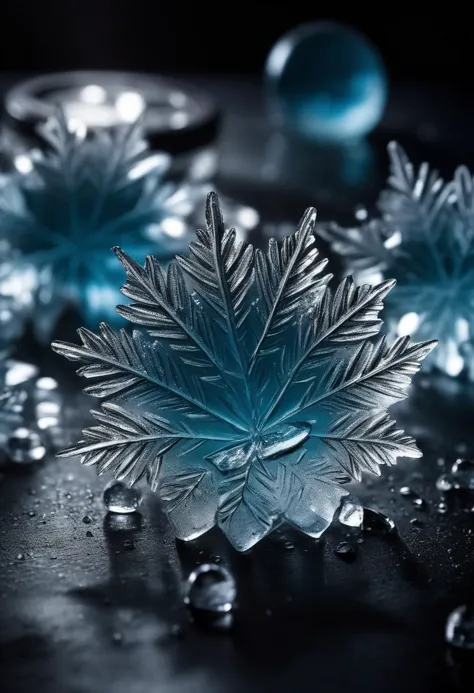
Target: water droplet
x,y
25,446
463,475
445,483
460,628
89,533
406,491
416,522
20,557
117,638
47,414
351,512
375,521
176,630
345,550
419,503
361,213
442,508
46,384
289,546
87,520
120,498
211,593
211,588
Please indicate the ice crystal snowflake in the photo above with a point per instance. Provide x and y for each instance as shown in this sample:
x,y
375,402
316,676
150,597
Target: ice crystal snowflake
x,y
253,393
424,238
66,208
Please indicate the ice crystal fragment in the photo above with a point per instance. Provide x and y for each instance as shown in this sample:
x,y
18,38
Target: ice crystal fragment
x,y
351,512
70,205
252,392
424,238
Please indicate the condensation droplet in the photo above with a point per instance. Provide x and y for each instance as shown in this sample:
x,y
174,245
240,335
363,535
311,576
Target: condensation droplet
x,y
345,550
25,446
444,483
211,593
375,521
361,213
46,384
460,628
463,474
120,498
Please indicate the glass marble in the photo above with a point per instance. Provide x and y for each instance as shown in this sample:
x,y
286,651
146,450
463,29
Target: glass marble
x,y
253,392
325,81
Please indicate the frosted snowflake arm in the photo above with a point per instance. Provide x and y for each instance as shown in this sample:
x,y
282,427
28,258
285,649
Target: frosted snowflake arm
x,y
285,274
413,199
222,271
132,444
375,376
346,317
162,303
133,367
363,444
362,248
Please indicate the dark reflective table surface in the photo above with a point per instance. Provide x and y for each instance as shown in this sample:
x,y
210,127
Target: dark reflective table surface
x,y
83,614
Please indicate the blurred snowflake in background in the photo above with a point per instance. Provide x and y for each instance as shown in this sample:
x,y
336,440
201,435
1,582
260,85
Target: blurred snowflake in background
x,y
64,210
424,238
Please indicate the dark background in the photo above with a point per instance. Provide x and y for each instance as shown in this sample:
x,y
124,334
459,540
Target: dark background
x,y
227,37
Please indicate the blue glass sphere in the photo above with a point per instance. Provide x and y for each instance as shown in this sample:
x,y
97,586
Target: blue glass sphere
x,y
325,81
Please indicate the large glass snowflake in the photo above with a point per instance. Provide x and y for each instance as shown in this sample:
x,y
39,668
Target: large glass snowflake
x,y
424,238
64,210
252,391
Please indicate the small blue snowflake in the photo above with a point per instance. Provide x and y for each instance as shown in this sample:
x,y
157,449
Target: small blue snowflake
x,y
424,238
254,393
66,208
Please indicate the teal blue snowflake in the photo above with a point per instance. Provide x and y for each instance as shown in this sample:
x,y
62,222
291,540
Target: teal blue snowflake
x,y
65,209
424,238
254,392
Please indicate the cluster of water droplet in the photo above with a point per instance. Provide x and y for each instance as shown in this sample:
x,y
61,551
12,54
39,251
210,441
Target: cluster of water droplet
x,y
31,431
